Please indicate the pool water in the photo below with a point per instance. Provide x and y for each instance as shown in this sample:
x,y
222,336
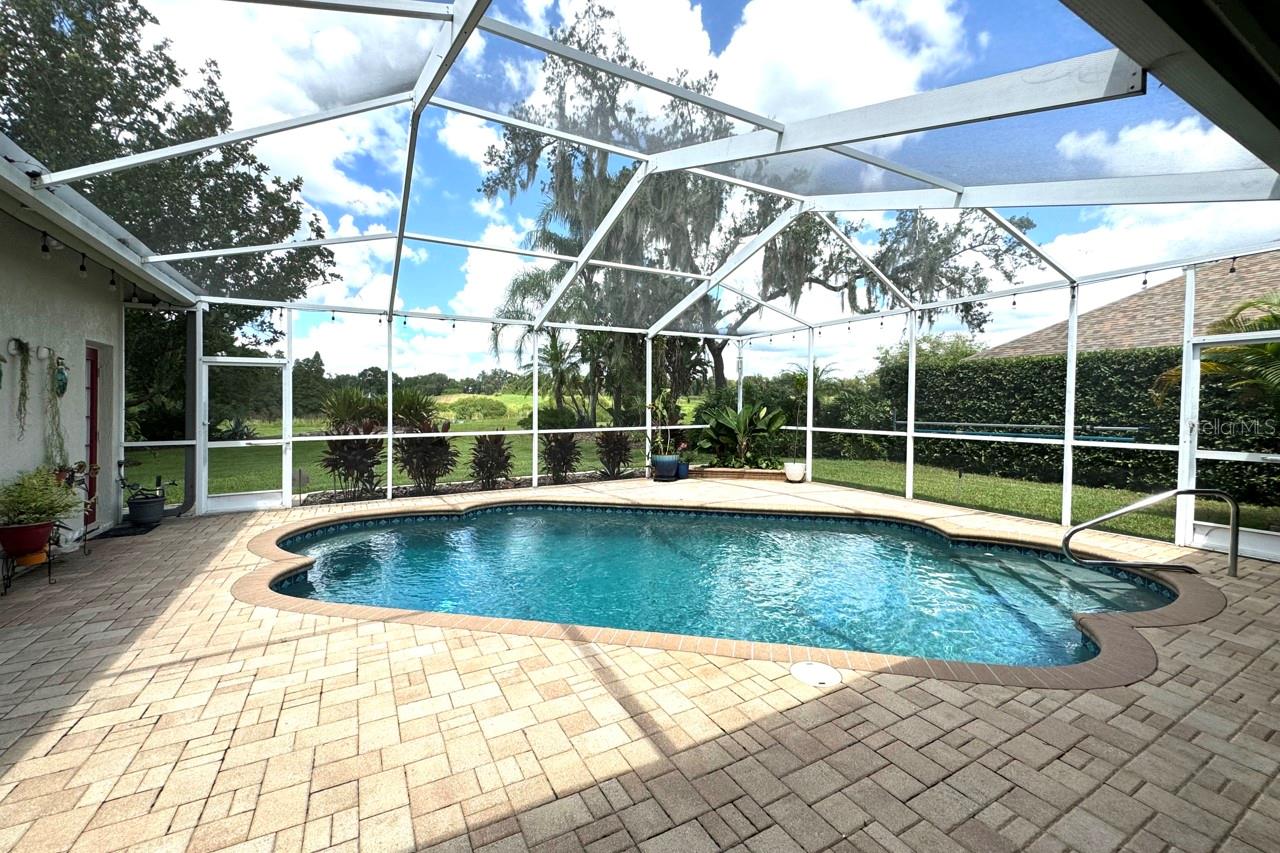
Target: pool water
x,y
833,583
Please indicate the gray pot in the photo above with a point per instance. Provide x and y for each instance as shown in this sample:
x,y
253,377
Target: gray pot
x,y
146,510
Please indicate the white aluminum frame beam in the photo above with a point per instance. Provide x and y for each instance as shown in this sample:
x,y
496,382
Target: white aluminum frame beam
x,y
761,302
533,127
395,8
866,261
417,237
1228,185
1081,80
132,161
444,50
267,247
734,261
895,167
638,156
1027,243
549,256
593,243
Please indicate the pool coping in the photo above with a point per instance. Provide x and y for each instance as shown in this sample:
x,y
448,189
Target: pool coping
x,y
1124,656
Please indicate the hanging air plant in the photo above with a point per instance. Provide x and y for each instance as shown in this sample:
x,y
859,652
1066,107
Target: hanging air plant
x,y
55,443
22,350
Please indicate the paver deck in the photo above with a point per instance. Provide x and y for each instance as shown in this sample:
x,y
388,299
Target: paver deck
x,y
144,706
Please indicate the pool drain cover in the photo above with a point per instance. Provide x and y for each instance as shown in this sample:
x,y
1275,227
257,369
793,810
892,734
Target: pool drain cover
x,y
815,674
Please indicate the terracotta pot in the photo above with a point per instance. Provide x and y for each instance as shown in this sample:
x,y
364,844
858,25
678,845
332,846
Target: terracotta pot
x,y
20,539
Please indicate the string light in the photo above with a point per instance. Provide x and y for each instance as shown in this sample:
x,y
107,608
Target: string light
x,y
84,271
134,298
45,252
111,285
1233,265
333,318
1144,279
404,321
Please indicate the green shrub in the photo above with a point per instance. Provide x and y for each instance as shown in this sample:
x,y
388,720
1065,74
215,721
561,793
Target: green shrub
x,y
478,408
549,419
34,498
1113,388
424,459
491,460
353,463
560,455
746,439
613,449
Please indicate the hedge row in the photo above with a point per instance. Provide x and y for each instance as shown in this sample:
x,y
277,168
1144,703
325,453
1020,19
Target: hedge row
x,y
1113,388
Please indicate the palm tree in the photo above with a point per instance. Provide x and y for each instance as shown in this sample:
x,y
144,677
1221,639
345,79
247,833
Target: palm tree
x,y
1251,369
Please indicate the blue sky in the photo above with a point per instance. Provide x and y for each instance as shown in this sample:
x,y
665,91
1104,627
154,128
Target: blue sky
x,y
770,59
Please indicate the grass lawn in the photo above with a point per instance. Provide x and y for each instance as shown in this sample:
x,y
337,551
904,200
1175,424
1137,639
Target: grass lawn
x,y
252,469
1027,498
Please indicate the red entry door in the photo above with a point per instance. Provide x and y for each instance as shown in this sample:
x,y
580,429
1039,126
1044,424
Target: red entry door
x,y
91,430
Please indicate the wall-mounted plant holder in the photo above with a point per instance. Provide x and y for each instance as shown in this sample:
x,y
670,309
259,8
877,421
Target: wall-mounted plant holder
x,y
61,376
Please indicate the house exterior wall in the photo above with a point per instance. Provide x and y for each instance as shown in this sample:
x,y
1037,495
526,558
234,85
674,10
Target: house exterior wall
x,y
47,304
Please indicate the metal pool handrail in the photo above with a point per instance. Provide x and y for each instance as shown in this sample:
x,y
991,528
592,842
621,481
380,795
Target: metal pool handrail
x,y
1233,547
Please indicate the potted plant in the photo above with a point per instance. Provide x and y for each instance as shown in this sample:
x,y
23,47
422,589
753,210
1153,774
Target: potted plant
x,y
682,467
29,506
662,450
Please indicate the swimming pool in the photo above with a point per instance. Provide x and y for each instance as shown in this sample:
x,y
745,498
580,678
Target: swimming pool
x,y
842,583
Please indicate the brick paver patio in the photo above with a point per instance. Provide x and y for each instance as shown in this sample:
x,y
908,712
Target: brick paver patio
x,y
144,706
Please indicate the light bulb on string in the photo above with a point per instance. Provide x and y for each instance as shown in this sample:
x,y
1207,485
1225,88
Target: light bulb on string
x,y
1144,280
333,318
84,271
45,252
1233,265
111,285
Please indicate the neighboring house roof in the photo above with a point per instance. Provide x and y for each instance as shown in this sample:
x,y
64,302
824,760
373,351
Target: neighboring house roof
x,y
1153,317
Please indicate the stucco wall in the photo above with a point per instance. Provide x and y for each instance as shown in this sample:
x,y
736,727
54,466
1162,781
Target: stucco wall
x,y
47,304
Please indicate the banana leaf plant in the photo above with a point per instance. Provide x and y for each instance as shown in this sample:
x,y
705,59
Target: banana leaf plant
x,y
746,439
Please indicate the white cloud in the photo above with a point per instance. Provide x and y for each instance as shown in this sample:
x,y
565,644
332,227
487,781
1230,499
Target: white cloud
x,y
1159,146
1130,235
780,64
468,137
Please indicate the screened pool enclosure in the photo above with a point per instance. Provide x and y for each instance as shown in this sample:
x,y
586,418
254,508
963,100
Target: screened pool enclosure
x,y
670,252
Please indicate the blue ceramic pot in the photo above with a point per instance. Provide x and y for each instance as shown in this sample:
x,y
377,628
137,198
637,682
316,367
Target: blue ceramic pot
x,y
664,467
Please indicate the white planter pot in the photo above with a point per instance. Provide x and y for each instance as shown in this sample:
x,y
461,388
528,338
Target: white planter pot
x,y
794,471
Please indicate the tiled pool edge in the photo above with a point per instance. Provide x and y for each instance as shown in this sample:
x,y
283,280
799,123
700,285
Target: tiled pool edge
x,y
1124,657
